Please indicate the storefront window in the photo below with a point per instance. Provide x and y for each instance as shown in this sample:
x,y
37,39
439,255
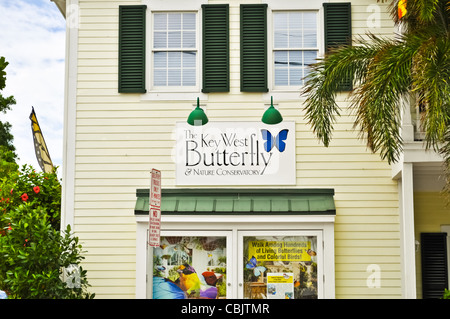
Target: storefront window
x,y
280,267
190,267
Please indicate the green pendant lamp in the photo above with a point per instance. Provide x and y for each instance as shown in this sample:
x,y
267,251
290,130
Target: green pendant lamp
x,y
272,115
197,116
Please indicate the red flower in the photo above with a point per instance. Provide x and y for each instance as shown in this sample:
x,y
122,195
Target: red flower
x,y
24,197
11,190
36,189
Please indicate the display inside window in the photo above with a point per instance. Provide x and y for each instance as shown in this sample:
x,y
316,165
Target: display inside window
x,y
190,268
280,267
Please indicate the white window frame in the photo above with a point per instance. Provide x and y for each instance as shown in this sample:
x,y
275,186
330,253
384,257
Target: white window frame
x,y
179,92
289,49
195,49
290,92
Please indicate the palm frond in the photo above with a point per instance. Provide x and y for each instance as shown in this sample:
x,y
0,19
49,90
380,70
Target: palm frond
x,y
377,99
385,71
381,71
431,74
324,82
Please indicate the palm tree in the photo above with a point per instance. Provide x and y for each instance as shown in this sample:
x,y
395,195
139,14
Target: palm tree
x,y
414,64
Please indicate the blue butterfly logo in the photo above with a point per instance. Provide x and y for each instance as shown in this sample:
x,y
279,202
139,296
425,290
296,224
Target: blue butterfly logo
x,y
252,264
279,141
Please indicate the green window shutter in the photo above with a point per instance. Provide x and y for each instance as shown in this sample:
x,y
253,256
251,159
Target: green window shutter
x,y
338,30
434,264
216,66
132,49
254,48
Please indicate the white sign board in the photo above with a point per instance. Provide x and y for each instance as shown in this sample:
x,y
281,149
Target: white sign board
x,y
280,285
155,209
235,153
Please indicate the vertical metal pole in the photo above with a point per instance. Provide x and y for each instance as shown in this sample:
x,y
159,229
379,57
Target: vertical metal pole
x,y
149,259
154,208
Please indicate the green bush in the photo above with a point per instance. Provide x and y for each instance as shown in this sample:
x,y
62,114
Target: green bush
x,y
35,254
446,294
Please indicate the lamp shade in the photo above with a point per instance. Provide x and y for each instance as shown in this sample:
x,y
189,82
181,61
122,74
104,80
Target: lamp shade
x,y
272,115
197,116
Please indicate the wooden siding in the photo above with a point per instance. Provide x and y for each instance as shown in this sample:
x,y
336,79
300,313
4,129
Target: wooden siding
x,y
120,138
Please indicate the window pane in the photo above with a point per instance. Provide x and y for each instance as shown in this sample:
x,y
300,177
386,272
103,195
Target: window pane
x,y
309,39
295,20
281,58
189,73
189,59
309,20
280,267
295,58
160,77
295,76
309,57
309,29
174,21
174,59
174,77
174,40
160,21
281,68
160,40
160,60
160,68
295,39
280,20
281,77
189,39
188,77
281,39
189,21
190,267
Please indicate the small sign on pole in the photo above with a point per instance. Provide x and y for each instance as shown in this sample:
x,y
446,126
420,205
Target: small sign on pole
x,y
155,209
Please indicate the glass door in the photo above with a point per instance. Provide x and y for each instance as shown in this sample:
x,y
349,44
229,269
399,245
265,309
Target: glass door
x,y
280,265
191,265
255,264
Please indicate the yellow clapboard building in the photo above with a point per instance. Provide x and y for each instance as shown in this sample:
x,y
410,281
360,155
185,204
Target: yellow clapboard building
x,y
244,202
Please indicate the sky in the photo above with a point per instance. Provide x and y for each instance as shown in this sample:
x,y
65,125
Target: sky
x,y
32,40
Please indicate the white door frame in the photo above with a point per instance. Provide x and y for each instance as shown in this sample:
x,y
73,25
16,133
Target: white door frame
x,y
235,224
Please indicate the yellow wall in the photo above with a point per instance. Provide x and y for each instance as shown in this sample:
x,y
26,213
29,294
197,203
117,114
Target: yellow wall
x,y
431,210
120,138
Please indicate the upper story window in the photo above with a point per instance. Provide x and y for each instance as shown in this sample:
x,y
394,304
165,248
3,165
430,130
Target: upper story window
x,y
164,52
174,50
295,46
